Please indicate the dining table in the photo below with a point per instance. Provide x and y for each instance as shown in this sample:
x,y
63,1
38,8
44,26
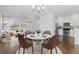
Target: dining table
x,y
37,37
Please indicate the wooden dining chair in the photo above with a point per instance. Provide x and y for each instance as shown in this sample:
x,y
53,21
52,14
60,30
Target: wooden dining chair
x,y
47,32
29,32
50,44
24,43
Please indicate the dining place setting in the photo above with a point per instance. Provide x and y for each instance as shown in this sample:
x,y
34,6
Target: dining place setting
x,y
38,38
37,41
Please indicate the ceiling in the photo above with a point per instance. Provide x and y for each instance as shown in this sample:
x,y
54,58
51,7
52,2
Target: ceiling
x,y
25,11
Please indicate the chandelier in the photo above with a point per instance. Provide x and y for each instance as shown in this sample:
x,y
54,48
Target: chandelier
x,y
38,8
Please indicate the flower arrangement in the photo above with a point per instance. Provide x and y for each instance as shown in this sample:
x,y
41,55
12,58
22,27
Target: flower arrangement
x,y
38,31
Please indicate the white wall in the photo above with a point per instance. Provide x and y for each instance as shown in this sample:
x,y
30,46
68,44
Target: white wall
x,y
1,22
47,22
74,20
24,24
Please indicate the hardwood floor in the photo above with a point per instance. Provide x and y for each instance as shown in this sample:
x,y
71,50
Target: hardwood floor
x,y
66,45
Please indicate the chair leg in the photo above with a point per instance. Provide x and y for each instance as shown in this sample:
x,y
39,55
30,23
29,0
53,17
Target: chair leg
x,y
41,49
23,51
51,51
32,50
56,50
19,50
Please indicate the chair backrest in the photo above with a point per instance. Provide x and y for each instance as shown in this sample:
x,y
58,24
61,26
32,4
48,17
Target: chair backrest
x,y
53,42
28,32
22,41
47,32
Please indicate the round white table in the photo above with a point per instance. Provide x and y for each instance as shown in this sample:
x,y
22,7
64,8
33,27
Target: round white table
x,y
38,39
38,36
